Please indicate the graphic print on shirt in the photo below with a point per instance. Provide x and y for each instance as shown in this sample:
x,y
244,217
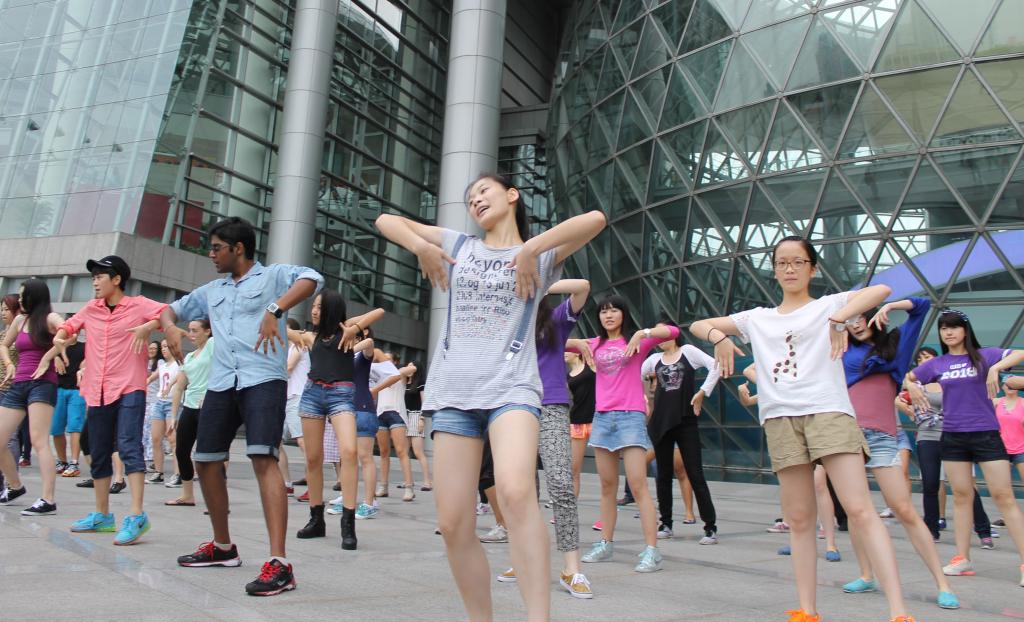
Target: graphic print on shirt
x,y
610,359
670,376
959,370
787,366
484,298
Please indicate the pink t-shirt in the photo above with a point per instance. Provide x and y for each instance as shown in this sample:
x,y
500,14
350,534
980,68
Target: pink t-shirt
x,y
873,399
619,386
1011,426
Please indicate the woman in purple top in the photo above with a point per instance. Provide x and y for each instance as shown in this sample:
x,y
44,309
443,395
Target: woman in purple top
x,y
969,376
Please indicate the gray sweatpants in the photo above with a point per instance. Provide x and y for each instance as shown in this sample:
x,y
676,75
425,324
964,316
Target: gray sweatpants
x,y
556,454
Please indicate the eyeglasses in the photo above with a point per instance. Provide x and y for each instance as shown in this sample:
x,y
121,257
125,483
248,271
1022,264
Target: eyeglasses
x,y
797,264
216,248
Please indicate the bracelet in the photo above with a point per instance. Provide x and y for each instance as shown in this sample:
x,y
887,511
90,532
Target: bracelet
x,y
358,327
724,337
708,338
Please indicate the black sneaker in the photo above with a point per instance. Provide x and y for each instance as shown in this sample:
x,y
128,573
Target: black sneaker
x,y
208,554
156,478
10,494
274,578
117,487
60,466
85,483
41,507
174,482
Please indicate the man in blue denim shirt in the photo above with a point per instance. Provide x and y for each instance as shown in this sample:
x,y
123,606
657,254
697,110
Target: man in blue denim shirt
x,y
248,384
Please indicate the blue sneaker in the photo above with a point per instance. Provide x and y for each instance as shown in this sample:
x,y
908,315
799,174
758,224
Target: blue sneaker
x,y
860,586
650,560
335,508
833,556
600,552
132,528
948,600
95,521
366,512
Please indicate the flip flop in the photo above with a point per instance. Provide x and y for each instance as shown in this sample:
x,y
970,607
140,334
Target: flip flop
x,y
690,521
179,502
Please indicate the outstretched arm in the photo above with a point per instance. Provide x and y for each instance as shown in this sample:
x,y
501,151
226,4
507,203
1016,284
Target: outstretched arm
x,y
717,331
566,237
578,290
424,241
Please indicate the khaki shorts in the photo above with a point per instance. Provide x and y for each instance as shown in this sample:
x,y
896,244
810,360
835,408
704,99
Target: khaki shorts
x,y
807,439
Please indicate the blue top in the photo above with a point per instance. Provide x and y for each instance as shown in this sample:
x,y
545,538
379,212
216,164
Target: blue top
x,y
235,311
853,360
362,399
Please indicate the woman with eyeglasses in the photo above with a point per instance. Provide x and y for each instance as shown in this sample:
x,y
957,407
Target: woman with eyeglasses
x,y
969,376
806,412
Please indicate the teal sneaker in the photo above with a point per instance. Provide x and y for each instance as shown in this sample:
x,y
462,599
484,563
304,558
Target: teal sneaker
x,y
650,560
366,512
132,528
95,521
948,600
860,586
601,552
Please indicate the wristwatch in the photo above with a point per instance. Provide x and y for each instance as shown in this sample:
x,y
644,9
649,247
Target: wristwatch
x,y
275,310
839,327
647,333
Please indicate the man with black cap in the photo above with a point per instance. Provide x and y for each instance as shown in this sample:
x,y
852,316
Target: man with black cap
x,y
114,387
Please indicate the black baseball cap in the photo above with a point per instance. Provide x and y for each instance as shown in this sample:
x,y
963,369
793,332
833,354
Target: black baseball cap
x,y
111,262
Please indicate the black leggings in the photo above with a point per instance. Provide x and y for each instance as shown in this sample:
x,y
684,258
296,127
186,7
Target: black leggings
x,y
688,439
24,442
929,459
185,438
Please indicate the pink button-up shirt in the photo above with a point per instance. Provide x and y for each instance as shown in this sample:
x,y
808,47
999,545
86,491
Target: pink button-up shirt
x,y
111,369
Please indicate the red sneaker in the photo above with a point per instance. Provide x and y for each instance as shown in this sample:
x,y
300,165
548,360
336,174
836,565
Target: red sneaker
x,y
303,498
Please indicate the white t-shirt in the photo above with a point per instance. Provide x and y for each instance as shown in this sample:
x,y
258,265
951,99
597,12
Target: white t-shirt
x,y
297,379
393,397
167,373
697,359
792,355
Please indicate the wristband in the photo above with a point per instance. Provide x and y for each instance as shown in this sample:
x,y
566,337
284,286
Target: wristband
x,y
724,337
708,338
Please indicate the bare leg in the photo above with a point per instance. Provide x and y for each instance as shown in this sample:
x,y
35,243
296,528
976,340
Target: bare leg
x,y
962,482
215,494
400,439
76,445
313,429
282,463
796,490
365,448
608,471
275,501
60,447
10,419
345,430
999,480
421,456
492,500
40,415
157,432
685,489
826,511
384,443
634,459
115,458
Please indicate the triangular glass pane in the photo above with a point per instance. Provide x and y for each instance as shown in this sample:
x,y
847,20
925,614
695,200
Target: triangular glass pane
x,y
651,91
1006,77
748,289
977,174
825,111
930,204
588,77
671,221
847,263
630,233
635,125
599,187
652,51
821,60
720,163
668,175
695,303
839,215
963,21
873,130
914,42
880,183
892,269
682,104
765,226
776,47
682,151
624,46
733,10
603,127
631,179
744,82
1004,34
1009,208
662,246
671,19
590,35
706,26
861,26
986,275
705,69
797,194
973,117
747,128
621,262
628,11
789,146
764,12
663,288
612,77
727,207
712,278
917,97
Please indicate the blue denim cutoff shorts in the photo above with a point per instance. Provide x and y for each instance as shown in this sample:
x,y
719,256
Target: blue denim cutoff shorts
x,y
884,449
617,429
366,424
473,423
323,401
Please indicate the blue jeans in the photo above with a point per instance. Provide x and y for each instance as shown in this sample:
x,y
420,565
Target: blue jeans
x,y
118,424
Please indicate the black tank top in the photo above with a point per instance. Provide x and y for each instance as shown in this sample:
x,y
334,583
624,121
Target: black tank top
x,y
328,364
676,388
582,387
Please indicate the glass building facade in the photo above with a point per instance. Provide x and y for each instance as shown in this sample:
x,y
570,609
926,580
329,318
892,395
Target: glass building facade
x,y
887,131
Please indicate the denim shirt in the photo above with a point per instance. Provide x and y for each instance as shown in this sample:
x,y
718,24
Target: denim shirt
x,y
235,311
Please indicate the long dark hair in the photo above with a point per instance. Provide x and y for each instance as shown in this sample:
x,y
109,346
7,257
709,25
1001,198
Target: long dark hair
x,y
884,343
35,300
614,301
812,254
522,220
667,321
332,314
951,318
153,362
546,335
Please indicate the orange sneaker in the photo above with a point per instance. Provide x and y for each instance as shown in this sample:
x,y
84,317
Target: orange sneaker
x,y
799,615
903,619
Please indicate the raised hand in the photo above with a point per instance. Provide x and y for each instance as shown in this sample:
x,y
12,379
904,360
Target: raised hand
x,y
434,263
881,319
349,337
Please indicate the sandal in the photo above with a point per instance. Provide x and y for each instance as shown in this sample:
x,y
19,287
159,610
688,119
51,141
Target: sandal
x,y
689,521
179,502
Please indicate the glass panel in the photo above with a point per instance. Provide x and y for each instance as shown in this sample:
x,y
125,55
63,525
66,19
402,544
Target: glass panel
x,y
603,127
797,194
930,204
671,221
917,97
977,174
682,149
630,232
744,82
1007,80
985,275
669,175
873,129
839,215
624,45
712,277
914,41
663,289
880,183
776,47
846,263
733,10
652,51
821,60
727,206
1004,33
1009,210
765,226
705,69
973,117
860,26
963,21
706,26
620,264
825,111
671,19
660,249
599,187
628,11
635,125
631,175
764,12
612,77
682,104
789,146
747,128
720,162
650,91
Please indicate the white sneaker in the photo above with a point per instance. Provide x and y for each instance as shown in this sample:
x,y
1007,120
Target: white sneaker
x,y
886,513
335,501
408,495
381,491
497,535
482,508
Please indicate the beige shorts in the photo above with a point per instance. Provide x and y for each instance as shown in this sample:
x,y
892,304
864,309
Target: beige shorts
x,y
807,439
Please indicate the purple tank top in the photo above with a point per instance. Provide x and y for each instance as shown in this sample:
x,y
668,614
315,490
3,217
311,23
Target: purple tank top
x,y
29,355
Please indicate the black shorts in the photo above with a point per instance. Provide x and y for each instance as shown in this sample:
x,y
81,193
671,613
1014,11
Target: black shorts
x,y
973,446
260,407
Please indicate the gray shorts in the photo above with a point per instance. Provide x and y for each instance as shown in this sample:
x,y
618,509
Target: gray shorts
x,y
292,422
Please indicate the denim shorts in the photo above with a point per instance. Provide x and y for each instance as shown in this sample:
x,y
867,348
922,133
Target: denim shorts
x,y
903,441
884,449
1016,458
390,420
366,424
292,423
617,429
323,401
69,413
473,423
161,410
26,392
259,407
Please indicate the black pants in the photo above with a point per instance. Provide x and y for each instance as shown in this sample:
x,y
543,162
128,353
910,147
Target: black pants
x,y
185,438
929,458
24,441
687,437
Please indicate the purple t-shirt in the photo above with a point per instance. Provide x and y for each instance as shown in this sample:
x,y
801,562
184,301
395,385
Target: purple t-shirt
x,y
551,361
965,403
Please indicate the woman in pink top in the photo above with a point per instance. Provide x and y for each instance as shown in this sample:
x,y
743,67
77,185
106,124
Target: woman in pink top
x,y
620,423
1010,412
